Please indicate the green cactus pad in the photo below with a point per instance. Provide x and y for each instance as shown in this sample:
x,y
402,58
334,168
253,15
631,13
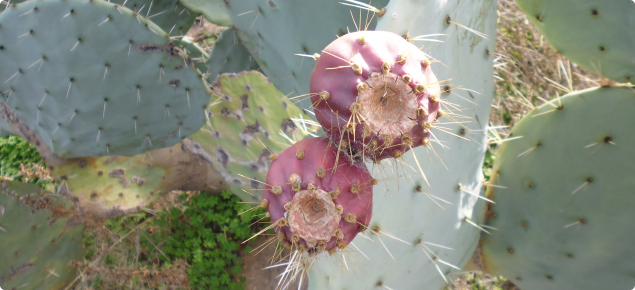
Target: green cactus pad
x,y
399,208
97,81
229,55
214,11
565,216
115,185
5,128
597,35
249,110
170,15
274,31
37,240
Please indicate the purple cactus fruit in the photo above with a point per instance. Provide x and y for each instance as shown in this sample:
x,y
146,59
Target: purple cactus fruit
x,y
314,207
375,95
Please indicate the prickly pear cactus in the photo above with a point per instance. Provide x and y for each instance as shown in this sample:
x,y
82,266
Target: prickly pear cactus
x,y
115,185
102,80
274,31
454,175
5,128
249,123
566,210
37,238
597,35
229,55
214,11
171,15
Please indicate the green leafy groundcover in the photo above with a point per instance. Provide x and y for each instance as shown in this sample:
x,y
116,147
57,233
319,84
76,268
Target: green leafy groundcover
x,y
208,234
15,151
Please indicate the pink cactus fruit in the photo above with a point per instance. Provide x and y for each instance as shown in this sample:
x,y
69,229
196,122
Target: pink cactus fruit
x,y
375,95
314,207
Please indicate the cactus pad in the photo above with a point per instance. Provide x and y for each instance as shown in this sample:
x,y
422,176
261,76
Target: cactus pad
x,y
171,15
115,185
597,35
229,55
102,80
37,238
565,214
247,110
5,128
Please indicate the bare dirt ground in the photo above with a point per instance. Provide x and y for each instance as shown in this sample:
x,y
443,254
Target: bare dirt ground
x,y
203,28
259,278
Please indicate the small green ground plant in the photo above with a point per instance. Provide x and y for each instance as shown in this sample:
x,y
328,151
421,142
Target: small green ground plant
x,y
19,160
193,242
208,234
15,151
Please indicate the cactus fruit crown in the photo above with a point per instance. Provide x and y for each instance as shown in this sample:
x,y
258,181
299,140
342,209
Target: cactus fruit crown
x,y
317,208
375,94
